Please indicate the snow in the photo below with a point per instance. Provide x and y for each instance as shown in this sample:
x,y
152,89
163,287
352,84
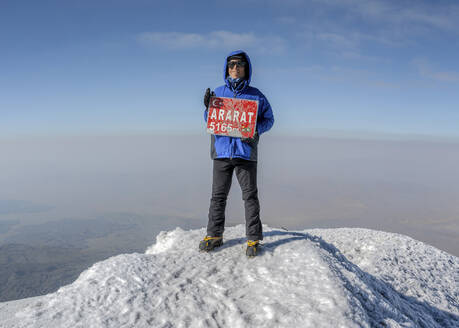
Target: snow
x,y
312,278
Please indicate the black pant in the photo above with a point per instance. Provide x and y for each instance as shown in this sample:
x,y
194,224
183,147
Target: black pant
x,y
246,173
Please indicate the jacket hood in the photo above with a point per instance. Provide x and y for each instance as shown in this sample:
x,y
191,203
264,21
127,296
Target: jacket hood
x,y
237,52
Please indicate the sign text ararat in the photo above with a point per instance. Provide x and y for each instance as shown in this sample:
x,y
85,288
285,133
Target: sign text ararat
x,y
232,117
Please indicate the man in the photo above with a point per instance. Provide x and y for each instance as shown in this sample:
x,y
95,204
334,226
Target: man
x,y
236,154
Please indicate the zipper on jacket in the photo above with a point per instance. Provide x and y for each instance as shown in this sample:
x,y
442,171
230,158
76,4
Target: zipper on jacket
x,y
232,139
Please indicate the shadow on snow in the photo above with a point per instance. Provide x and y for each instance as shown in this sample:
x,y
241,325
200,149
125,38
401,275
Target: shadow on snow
x,y
377,297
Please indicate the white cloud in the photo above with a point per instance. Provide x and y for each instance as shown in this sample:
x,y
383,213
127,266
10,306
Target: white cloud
x,y
338,40
344,43
213,40
434,15
172,39
347,26
425,69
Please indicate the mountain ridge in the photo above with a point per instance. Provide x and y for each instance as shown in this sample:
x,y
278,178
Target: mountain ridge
x,y
344,277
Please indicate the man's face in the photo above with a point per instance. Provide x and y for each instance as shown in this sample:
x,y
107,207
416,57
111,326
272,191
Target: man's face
x,y
236,68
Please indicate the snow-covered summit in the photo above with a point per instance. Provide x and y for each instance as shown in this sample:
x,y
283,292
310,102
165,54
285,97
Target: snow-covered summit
x,y
311,278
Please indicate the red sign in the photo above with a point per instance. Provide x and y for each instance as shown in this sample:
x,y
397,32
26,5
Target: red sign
x,y
232,117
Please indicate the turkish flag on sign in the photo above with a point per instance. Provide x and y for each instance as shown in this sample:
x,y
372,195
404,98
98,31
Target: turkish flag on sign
x,y
232,117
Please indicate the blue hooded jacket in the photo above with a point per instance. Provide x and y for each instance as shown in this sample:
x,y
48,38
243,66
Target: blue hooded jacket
x,y
231,147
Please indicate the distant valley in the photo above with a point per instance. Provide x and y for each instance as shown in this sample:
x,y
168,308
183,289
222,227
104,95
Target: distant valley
x,y
37,259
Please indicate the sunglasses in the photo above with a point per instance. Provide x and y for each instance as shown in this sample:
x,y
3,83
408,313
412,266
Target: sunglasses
x,y
231,64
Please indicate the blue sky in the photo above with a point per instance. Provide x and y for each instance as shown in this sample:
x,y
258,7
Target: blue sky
x,y
334,66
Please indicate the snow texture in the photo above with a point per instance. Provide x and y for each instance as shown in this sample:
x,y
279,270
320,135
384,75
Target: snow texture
x,y
311,278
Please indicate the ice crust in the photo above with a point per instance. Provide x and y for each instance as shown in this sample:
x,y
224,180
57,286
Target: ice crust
x,y
312,278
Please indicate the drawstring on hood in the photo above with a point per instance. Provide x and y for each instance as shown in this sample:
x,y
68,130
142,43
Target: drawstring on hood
x,y
237,85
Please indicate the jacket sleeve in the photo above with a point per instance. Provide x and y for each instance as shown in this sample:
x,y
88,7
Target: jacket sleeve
x,y
265,118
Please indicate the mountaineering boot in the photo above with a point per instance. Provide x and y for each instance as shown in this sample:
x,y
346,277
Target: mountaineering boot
x,y
252,248
209,243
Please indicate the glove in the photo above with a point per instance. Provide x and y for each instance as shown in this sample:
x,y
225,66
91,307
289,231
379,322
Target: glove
x,y
207,96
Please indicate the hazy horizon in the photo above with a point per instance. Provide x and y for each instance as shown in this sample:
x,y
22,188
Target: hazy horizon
x,y
408,186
